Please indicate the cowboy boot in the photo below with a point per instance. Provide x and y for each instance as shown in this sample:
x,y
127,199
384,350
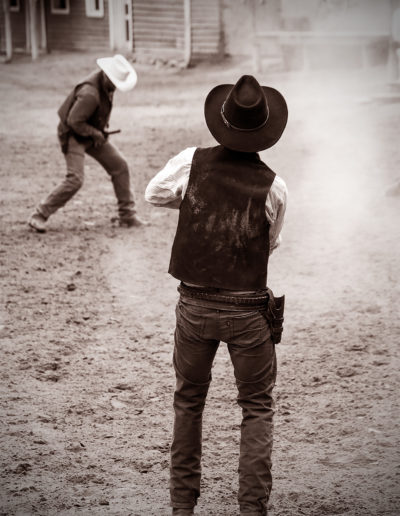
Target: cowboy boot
x,y
37,222
133,221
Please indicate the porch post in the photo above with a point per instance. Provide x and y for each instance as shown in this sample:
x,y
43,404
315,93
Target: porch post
x,y
33,31
188,32
7,31
43,28
256,50
111,25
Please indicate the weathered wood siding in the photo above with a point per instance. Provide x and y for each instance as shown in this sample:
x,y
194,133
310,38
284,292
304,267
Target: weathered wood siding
x,y
158,28
206,28
76,31
17,28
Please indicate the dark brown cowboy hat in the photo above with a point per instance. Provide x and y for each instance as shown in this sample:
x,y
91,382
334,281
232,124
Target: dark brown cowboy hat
x,y
246,117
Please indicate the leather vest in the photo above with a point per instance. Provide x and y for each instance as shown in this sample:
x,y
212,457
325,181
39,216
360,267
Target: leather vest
x,y
99,119
222,238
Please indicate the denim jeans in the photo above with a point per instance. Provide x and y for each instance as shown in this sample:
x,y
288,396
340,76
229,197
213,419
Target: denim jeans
x,y
111,160
199,330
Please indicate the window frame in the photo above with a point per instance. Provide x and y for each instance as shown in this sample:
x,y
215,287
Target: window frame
x,y
14,8
57,10
91,11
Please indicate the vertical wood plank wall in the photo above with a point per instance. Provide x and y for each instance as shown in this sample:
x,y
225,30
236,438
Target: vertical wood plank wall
x,y
158,28
17,28
75,31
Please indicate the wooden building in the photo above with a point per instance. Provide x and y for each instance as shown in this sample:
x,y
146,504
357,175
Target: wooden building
x,y
281,34
158,29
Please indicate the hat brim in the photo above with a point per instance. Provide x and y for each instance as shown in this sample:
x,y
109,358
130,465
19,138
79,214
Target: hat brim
x,y
246,141
105,63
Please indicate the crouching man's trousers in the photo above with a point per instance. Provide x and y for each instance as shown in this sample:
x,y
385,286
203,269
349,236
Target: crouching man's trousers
x,y
111,160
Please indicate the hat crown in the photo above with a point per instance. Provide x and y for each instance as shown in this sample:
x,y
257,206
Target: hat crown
x,y
245,116
119,68
245,107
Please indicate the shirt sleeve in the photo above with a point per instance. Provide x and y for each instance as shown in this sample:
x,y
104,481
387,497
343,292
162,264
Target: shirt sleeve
x,y
275,208
83,108
168,187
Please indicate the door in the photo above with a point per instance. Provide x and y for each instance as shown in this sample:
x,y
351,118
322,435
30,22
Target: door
x,y
120,24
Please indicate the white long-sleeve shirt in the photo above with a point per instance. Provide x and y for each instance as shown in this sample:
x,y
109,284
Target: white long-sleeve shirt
x,y
168,188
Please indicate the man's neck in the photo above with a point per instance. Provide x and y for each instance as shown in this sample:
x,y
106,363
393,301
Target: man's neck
x,y
107,85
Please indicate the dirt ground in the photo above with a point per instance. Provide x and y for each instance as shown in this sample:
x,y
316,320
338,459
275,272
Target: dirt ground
x,y
87,311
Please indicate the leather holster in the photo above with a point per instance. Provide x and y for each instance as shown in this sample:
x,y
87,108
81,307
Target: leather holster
x,y
274,316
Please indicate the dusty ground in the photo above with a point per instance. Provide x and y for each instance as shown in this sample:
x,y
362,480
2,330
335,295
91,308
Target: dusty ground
x,y
87,311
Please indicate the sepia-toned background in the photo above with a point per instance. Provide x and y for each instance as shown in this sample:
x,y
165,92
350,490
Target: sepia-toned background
x,y
87,309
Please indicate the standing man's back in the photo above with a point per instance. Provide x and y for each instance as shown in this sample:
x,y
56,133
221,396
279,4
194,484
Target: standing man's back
x,y
231,213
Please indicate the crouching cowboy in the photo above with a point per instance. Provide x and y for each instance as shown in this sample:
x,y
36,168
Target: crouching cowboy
x,y
231,213
84,116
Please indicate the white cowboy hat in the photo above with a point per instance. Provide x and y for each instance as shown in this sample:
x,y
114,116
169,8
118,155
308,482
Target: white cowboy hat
x,y
119,70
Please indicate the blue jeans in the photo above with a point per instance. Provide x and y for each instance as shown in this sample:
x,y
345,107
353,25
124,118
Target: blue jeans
x,y
112,161
199,330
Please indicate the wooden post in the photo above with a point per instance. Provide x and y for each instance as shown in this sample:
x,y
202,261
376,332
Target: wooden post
x,y
393,60
256,49
111,22
33,31
188,32
27,27
7,30
43,28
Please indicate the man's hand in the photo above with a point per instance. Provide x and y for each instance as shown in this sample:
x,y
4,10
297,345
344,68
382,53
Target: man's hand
x,y
98,139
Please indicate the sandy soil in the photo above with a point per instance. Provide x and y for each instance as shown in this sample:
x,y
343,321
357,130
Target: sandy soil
x,y
87,312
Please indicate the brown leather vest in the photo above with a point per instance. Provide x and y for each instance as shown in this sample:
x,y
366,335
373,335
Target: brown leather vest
x,y
101,116
222,238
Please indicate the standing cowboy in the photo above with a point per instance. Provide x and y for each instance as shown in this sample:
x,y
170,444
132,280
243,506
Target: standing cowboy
x,y
84,116
231,214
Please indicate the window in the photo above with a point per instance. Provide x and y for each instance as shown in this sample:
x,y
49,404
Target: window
x,y
95,8
59,6
14,6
